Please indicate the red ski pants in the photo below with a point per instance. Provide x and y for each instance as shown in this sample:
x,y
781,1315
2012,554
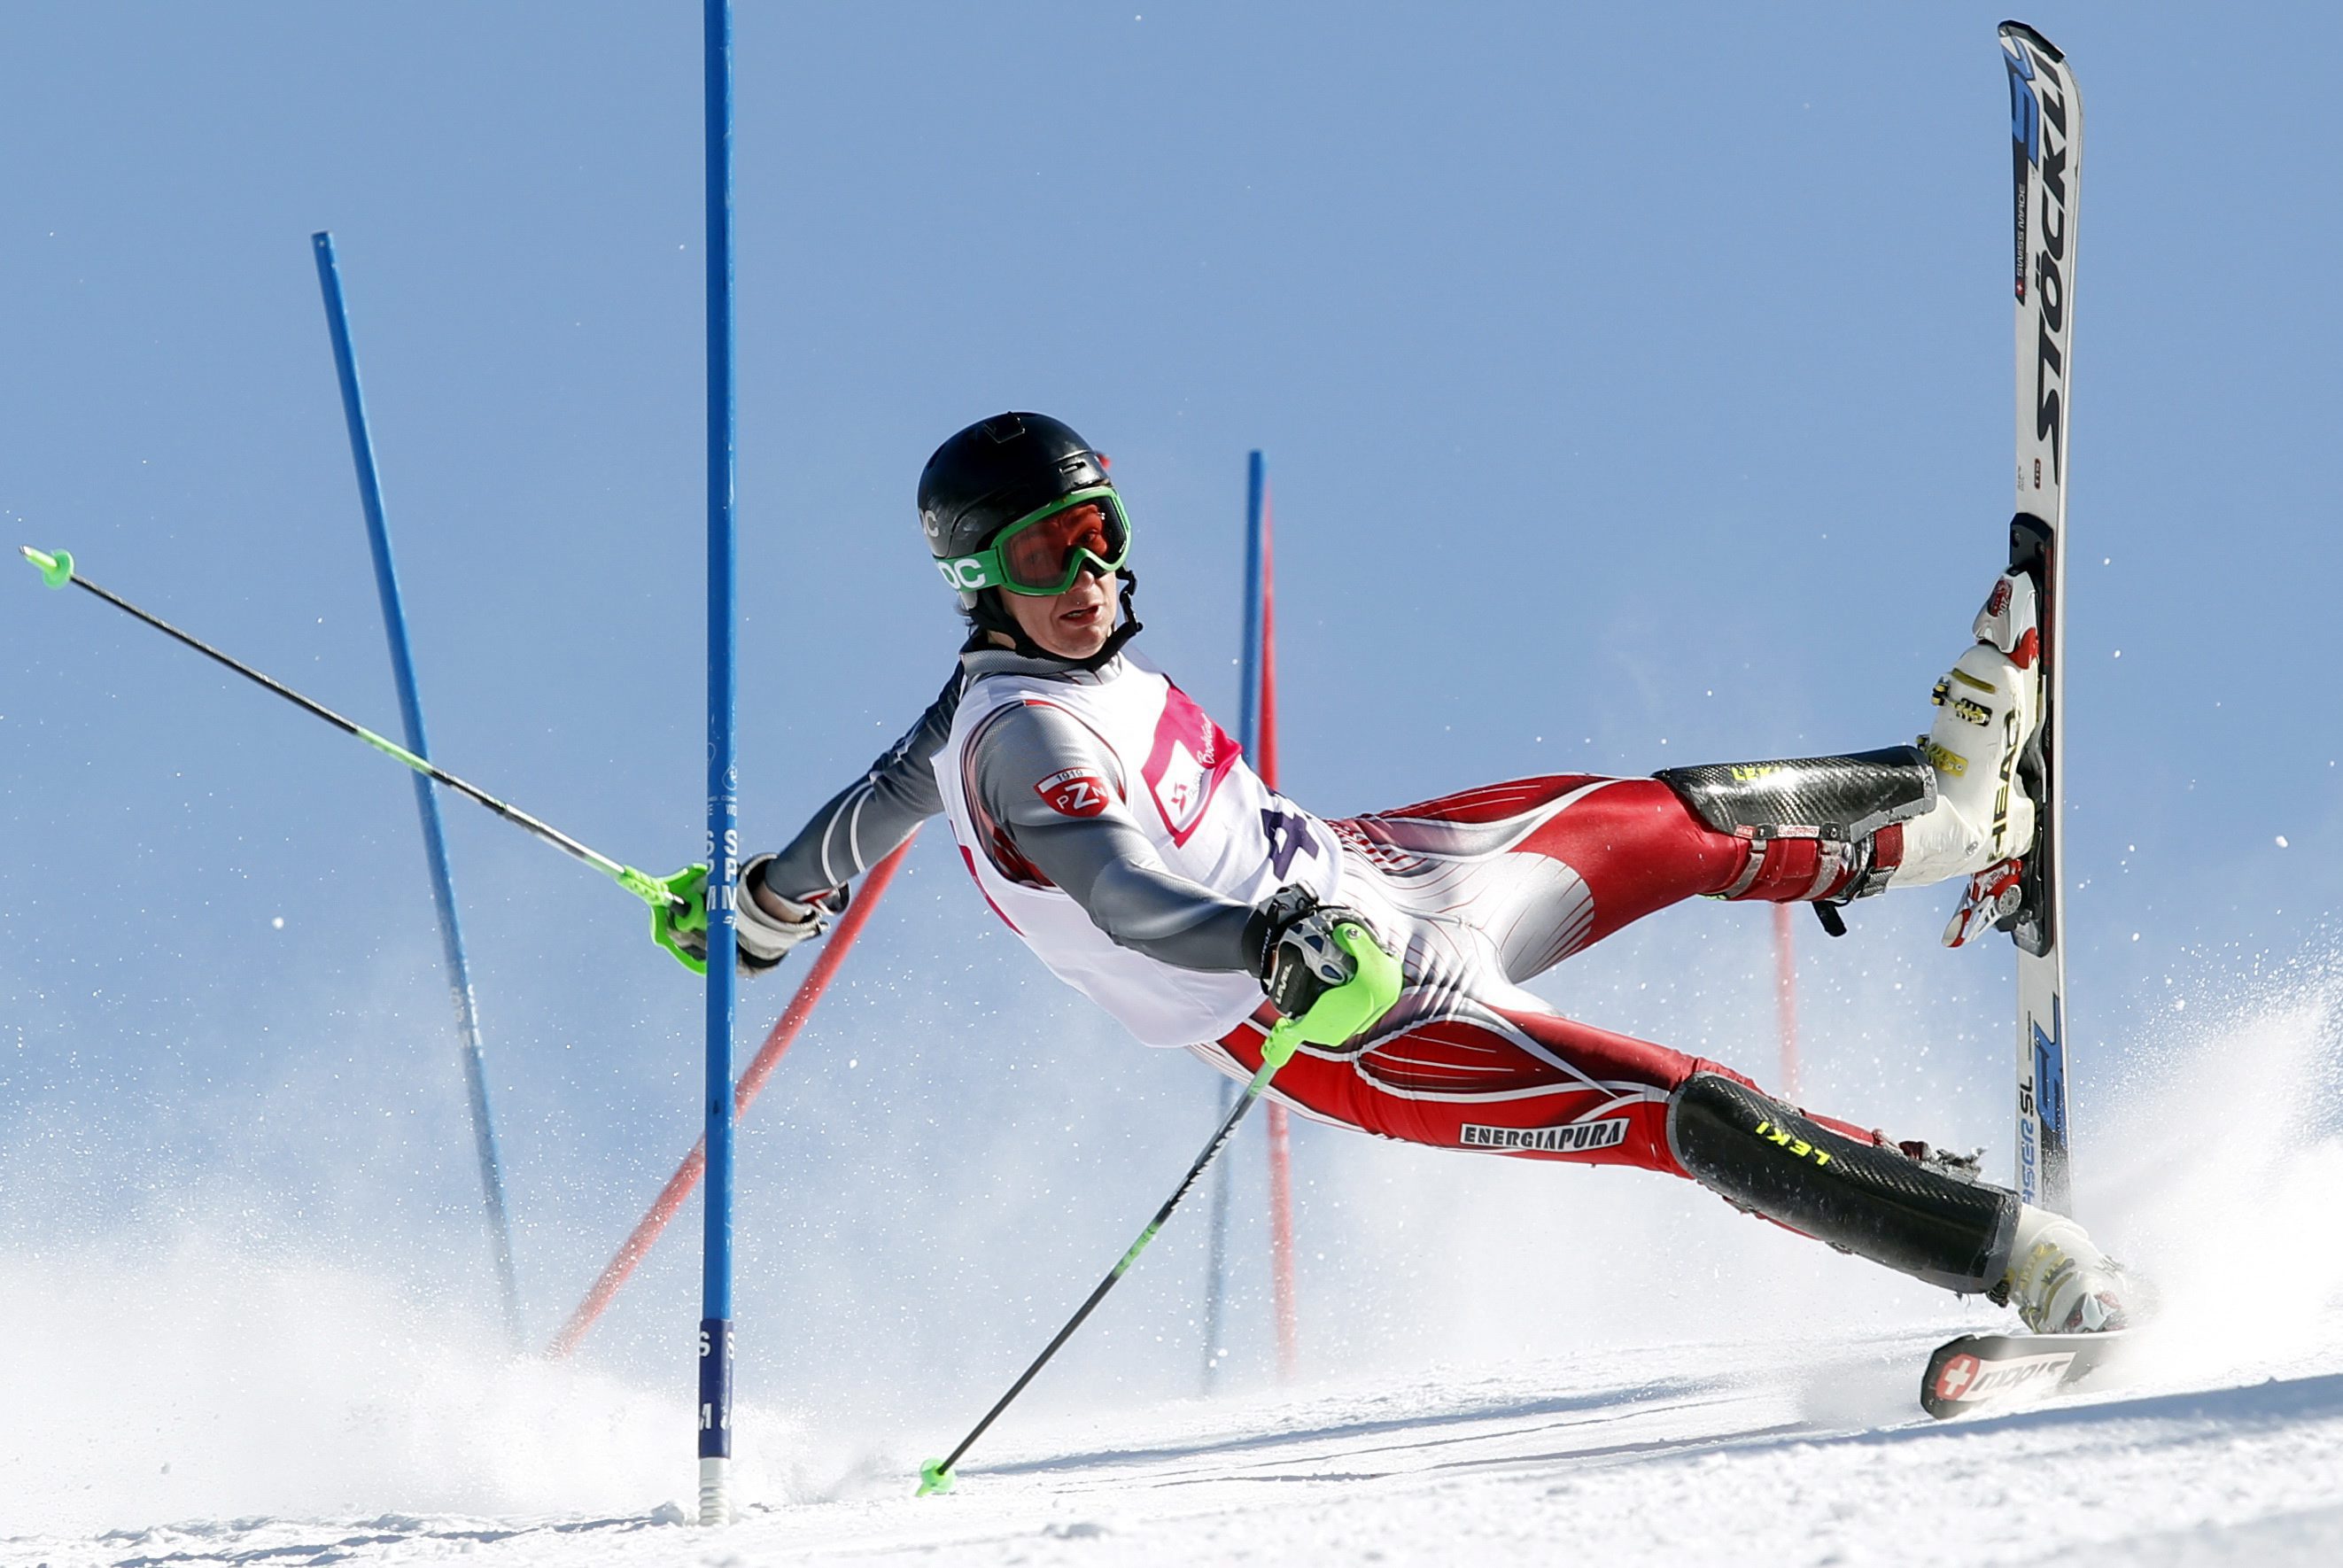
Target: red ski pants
x,y
1491,887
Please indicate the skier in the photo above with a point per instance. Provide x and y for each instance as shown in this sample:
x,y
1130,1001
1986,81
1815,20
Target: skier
x,y
1116,828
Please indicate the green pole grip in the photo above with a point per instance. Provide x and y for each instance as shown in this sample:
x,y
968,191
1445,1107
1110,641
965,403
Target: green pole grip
x,y
677,903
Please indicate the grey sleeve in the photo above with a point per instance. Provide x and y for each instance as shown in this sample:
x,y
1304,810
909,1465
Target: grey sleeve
x,y
864,822
1102,861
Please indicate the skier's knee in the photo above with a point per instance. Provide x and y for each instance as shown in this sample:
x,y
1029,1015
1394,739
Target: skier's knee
x,y
1766,1157
1817,827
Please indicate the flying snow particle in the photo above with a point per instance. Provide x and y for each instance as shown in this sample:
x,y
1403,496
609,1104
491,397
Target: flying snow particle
x,y
2281,840
278,922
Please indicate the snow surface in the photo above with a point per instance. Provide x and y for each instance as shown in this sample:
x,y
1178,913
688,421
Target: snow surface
x,y
1678,1453
1648,1378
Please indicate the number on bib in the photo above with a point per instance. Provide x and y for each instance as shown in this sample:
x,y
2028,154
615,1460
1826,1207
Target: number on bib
x,y
1289,835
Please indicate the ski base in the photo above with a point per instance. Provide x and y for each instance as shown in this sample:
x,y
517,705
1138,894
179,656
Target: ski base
x,y
1976,1371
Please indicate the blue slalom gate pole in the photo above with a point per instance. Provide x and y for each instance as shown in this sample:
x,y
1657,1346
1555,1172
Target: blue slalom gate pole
x,y
426,802
1248,662
1248,740
723,802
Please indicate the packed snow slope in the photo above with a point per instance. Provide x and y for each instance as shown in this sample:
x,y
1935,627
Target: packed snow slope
x,y
1687,1385
1801,1452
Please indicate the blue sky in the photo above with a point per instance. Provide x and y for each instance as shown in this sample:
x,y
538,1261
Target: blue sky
x,y
1635,387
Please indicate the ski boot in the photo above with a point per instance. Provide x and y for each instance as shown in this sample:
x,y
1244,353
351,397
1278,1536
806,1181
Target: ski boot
x,y
1989,712
2061,1283
1832,829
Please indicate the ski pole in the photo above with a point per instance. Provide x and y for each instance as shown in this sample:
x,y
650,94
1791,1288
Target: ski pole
x,y
1335,1016
675,900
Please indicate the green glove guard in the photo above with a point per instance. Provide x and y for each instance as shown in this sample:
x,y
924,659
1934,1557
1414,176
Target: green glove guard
x,y
681,905
1341,1012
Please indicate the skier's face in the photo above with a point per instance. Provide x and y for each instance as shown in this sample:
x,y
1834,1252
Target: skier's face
x,y
1075,624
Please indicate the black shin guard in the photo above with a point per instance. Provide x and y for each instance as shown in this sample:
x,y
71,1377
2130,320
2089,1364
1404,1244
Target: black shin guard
x,y
1814,822
1837,796
1766,1157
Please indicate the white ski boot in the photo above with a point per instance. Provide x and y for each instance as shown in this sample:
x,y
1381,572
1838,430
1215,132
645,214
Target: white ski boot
x,y
1987,708
2061,1283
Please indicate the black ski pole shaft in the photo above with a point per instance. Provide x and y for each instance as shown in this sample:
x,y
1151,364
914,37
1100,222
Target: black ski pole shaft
x,y
1339,1013
57,570
937,1475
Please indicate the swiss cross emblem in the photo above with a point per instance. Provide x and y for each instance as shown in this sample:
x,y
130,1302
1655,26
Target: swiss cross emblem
x,y
1076,792
1958,1373
1190,758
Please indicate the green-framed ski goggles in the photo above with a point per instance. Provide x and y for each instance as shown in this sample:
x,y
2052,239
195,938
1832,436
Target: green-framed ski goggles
x,y
1041,553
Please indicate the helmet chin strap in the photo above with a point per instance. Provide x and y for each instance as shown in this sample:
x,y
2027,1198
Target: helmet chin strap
x,y
991,616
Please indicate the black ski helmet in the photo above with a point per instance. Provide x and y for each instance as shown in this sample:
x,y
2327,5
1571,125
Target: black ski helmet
x,y
995,472
989,476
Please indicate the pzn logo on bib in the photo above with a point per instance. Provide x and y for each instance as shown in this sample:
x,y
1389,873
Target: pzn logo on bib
x,y
1075,792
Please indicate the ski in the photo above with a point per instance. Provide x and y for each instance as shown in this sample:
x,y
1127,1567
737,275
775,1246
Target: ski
x,y
2046,137
1976,1370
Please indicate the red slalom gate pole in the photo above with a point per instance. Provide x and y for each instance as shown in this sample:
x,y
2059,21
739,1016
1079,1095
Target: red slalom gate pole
x,y
1785,997
1281,1231
1281,1157
686,1175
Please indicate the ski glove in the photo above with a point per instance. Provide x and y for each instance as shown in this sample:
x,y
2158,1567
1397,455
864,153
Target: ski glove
x,y
1290,948
761,937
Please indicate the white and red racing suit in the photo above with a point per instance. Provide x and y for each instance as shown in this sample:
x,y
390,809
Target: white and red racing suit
x,y
1117,829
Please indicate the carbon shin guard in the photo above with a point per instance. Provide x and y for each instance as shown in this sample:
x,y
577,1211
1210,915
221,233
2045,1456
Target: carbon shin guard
x,y
1765,1157
1818,827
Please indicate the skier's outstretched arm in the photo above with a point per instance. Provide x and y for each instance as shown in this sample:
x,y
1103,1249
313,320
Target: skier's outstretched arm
x,y
863,824
1092,849
790,896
